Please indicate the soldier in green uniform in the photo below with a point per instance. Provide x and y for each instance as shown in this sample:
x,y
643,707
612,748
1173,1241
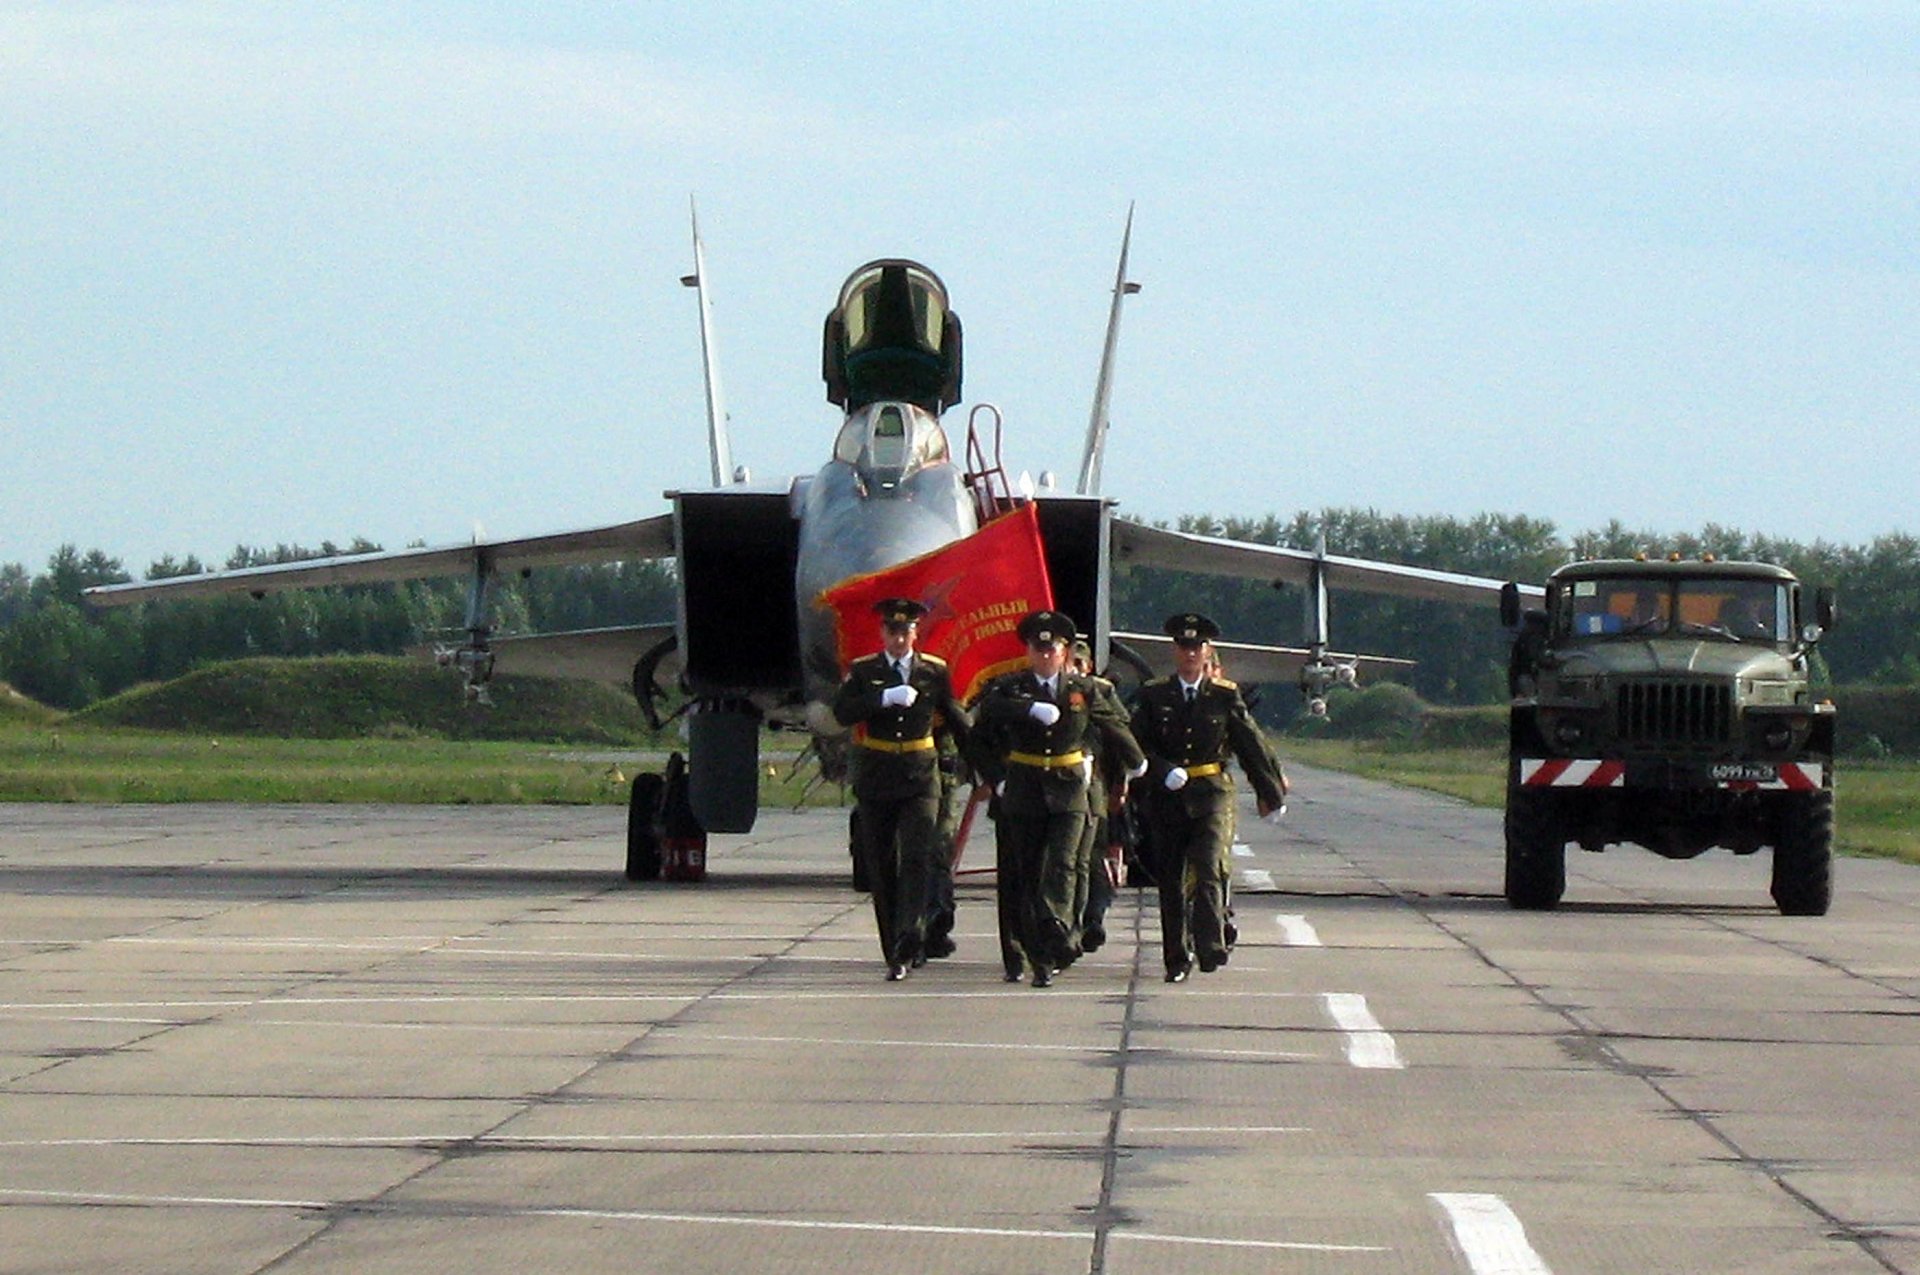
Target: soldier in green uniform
x,y
1097,872
893,700
1047,724
953,802
1189,724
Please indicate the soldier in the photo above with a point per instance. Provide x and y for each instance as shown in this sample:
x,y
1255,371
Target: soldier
x,y
1046,724
953,802
1188,724
1100,866
893,700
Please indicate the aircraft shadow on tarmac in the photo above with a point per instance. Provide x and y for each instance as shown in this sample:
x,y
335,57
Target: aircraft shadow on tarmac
x,y
294,880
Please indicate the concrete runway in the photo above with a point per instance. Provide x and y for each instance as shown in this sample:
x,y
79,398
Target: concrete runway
x,y
239,1039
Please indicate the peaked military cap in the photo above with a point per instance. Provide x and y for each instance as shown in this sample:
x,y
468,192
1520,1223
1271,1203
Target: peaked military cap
x,y
899,610
1190,628
1041,627
1081,650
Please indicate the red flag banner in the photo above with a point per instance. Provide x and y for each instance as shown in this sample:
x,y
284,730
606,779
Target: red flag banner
x,y
975,590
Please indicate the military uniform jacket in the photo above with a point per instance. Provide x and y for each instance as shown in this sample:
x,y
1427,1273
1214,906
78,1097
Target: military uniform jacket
x,y
1203,733
881,773
1091,721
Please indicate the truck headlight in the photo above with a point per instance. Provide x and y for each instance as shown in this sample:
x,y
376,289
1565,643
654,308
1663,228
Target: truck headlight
x,y
1569,732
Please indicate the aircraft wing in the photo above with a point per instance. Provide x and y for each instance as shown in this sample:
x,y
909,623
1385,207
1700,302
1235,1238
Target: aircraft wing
x,y
647,538
593,655
1254,663
1146,546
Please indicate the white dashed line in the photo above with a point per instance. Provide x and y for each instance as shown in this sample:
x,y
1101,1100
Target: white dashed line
x,y
1488,1235
1256,879
1368,1045
704,1219
1241,850
1296,931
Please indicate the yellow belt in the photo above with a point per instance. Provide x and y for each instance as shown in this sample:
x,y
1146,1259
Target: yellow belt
x,y
920,745
1073,758
1204,769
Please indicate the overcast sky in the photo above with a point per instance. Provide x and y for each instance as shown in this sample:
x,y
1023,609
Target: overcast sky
x,y
277,272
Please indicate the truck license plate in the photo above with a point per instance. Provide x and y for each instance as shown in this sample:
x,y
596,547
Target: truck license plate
x,y
1743,772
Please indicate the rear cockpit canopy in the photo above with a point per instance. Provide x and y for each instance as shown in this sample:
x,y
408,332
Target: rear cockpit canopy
x,y
886,443
892,336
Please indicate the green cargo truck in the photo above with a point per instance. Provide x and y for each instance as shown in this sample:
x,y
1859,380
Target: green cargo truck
x,y
1667,703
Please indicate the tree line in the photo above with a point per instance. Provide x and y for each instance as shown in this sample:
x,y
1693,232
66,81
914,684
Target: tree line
x,y
60,652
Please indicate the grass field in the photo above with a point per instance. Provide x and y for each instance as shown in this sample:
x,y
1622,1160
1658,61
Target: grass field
x,y
80,764
1877,803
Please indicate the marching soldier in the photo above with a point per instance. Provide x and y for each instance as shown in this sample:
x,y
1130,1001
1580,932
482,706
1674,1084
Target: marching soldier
x,y
895,700
953,802
1189,724
1099,866
1047,724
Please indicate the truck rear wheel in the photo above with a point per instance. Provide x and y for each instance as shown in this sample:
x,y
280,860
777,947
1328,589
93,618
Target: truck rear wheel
x,y
1536,852
1803,856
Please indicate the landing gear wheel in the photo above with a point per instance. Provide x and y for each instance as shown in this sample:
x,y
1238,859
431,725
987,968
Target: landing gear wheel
x,y
1803,856
644,801
1536,852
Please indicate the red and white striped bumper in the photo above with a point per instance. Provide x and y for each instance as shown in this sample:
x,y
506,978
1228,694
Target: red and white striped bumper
x,y
1567,772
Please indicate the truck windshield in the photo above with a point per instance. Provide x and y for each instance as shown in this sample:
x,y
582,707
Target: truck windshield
x,y
1730,610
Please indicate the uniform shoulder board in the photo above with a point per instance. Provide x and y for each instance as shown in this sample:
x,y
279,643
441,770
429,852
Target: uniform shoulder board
x,y
1158,681
930,658
1228,684
1104,684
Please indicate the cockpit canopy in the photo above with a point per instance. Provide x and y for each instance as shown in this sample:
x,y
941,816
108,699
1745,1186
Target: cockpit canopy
x,y
887,442
891,336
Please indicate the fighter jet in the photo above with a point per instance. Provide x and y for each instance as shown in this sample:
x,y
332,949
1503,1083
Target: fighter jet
x,y
891,491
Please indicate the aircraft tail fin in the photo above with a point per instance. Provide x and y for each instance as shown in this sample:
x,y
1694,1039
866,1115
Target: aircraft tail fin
x,y
717,441
1097,423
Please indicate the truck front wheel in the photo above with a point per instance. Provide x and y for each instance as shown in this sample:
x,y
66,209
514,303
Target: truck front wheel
x,y
1536,852
1803,856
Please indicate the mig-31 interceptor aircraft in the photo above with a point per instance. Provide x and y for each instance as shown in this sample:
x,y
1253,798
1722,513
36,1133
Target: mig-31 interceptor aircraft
x,y
891,492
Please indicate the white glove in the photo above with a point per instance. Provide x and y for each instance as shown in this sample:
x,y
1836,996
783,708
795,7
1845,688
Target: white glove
x,y
1086,770
899,696
1273,816
1044,712
1176,779
1000,789
1139,770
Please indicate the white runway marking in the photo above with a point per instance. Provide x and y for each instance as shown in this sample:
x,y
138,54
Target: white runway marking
x,y
1014,1046
1488,1235
1296,931
1368,1044
699,1219
69,1009
416,1140
1241,850
1256,879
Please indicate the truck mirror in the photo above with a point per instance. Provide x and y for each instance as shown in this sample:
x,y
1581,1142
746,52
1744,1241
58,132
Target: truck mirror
x,y
1510,605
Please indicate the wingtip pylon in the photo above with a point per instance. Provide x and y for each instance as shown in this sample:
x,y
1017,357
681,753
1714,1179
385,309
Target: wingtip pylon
x,y
718,445
1098,422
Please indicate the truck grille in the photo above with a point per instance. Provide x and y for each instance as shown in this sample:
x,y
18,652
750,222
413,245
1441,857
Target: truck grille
x,y
1674,713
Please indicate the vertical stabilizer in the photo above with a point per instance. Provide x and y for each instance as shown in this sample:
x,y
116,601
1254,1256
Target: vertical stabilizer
x,y
717,443
1096,449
